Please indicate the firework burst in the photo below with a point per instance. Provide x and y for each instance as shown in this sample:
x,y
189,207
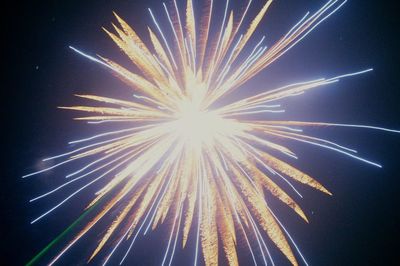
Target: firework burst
x,y
206,168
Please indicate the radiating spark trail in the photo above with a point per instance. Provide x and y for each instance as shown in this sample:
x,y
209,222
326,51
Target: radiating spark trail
x,y
183,154
163,37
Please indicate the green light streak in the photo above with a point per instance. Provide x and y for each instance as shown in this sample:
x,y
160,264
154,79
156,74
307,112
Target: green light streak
x,y
60,236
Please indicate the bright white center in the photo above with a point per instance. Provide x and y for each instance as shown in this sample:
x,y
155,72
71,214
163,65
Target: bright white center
x,y
197,126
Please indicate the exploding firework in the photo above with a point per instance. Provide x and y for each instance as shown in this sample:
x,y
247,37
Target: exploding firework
x,y
186,157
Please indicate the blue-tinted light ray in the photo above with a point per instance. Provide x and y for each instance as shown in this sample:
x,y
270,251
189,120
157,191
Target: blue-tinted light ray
x,y
79,177
163,37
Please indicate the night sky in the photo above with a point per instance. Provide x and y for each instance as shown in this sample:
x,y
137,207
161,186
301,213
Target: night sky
x,y
359,225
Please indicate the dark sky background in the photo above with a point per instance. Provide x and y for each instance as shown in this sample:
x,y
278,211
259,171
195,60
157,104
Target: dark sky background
x,y
359,225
